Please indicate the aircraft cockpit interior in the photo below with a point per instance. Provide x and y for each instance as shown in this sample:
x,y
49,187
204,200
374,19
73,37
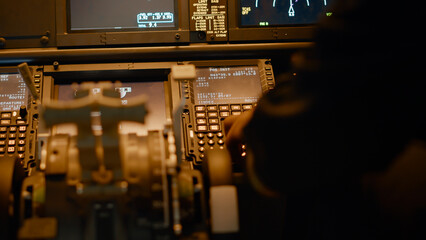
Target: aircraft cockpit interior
x,y
114,115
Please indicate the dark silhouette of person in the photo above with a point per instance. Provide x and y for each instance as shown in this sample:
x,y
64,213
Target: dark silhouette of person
x,y
343,136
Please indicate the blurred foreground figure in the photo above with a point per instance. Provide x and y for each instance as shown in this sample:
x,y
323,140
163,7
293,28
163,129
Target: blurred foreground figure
x,y
343,136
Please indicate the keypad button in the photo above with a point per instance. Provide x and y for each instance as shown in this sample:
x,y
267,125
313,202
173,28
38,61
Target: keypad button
x,y
212,108
22,135
21,142
21,149
200,115
210,135
6,115
201,121
5,122
12,135
12,129
220,142
201,149
202,128
247,107
219,135
213,115
236,113
22,128
201,142
210,142
3,129
224,108
2,143
11,142
10,149
200,135
214,128
3,135
235,107
214,121
2,149
224,114
200,108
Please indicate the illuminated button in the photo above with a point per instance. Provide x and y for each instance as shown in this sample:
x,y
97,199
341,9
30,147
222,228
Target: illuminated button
x,y
236,113
201,149
214,120
213,115
22,128
219,135
220,142
200,108
13,129
5,122
2,143
235,107
11,149
200,136
12,135
210,142
247,107
3,135
201,121
2,150
11,142
214,128
7,115
20,122
21,149
200,115
3,129
21,156
224,108
201,142
210,135
212,108
22,135
21,142
224,114
202,128
37,75
36,80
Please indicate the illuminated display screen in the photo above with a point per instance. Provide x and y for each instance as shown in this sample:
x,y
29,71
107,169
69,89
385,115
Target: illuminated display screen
x,y
121,15
13,92
224,85
265,13
156,103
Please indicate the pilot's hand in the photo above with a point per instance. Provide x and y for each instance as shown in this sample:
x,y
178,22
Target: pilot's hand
x,y
234,126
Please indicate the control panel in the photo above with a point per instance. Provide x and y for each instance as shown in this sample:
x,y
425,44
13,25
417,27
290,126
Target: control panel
x,y
221,89
19,116
115,150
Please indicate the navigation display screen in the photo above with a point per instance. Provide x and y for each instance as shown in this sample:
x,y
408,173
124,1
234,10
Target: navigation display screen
x,y
224,85
156,103
263,13
121,15
13,92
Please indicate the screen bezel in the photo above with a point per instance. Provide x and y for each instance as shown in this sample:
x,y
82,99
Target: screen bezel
x,y
115,37
284,33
